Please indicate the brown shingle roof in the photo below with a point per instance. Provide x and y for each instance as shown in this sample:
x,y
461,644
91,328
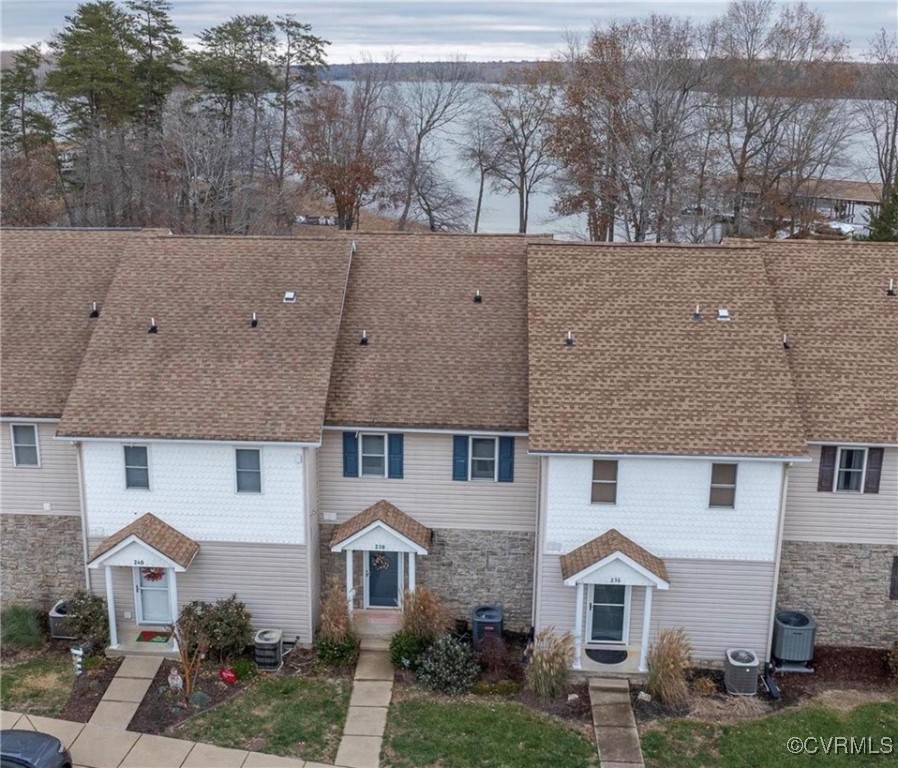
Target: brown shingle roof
x,y
207,374
842,330
643,377
391,516
49,279
154,533
434,358
607,544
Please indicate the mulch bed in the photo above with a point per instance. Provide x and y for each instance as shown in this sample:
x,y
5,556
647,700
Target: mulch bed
x,y
88,689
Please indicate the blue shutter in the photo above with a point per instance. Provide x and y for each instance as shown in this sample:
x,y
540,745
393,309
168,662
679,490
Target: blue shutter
x,y
350,455
460,457
395,452
506,459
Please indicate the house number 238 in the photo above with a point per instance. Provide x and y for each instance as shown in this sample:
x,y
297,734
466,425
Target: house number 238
x,y
614,580
380,546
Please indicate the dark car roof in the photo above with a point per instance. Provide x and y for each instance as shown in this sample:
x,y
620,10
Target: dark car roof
x,y
38,749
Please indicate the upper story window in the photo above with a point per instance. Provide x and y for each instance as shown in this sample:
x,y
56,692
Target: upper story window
x,y
604,481
849,469
249,470
25,452
372,454
137,467
483,458
723,485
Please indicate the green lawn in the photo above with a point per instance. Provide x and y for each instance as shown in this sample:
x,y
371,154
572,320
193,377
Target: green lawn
x,y
292,716
425,733
763,742
39,686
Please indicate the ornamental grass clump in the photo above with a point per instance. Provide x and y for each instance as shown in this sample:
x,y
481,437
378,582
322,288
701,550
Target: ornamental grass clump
x,y
424,615
449,666
20,628
336,643
669,660
551,656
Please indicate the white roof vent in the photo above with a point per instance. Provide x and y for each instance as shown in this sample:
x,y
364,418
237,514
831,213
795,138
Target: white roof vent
x,y
723,314
289,297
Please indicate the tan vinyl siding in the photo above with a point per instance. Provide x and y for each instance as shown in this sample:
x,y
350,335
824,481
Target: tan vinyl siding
x,y
270,578
25,490
721,603
427,491
860,518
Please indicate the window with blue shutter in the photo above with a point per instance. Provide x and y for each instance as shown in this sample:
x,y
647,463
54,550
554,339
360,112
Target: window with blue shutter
x,y
460,457
350,455
395,451
506,459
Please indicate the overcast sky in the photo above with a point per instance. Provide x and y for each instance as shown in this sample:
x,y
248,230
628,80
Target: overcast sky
x,y
422,30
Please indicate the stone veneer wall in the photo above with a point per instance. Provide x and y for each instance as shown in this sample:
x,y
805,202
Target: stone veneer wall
x,y
41,558
465,568
845,587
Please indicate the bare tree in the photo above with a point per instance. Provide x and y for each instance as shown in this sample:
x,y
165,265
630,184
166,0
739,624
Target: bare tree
x,y
437,200
521,109
878,113
480,150
428,100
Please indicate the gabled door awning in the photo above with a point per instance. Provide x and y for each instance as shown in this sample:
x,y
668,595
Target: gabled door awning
x,y
382,526
613,555
148,542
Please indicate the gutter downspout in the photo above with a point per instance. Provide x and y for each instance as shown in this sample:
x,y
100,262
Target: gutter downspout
x,y
83,499
538,544
776,562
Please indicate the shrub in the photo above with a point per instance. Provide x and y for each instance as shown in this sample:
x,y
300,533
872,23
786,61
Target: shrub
x,y
228,627
668,662
406,649
190,632
20,628
448,666
88,619
551,656
493,655
336,644
893,661
704,686
424,615
244,668
337,652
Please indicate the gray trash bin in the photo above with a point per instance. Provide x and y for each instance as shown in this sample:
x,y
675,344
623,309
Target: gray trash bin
x,y
486,620
59,621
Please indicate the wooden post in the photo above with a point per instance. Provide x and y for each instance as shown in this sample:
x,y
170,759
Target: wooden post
x,y
578,627
110,607
646,618
349,588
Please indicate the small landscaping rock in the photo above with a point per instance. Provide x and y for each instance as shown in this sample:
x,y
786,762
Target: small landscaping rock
x,y
200,699
643,696
572,697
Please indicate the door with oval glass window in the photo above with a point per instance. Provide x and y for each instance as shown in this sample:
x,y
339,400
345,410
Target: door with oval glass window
x,y
384,579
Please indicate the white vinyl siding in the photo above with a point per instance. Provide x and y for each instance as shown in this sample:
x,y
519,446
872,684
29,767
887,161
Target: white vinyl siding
x,y
271,579
56,484
427,491
860,518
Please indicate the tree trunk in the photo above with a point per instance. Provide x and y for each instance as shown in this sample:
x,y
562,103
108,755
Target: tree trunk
x,y
479,202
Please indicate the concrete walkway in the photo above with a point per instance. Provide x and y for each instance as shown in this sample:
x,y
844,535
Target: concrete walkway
x,y
126,691
97,746
366,720
612,715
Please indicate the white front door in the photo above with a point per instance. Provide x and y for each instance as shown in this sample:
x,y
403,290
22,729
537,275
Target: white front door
x,y
151,587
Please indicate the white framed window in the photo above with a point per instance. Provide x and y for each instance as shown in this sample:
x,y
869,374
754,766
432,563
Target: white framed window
x,y
483,463
609,614
372,455
604,481
723,486
25,449
249,470
137,467
851,470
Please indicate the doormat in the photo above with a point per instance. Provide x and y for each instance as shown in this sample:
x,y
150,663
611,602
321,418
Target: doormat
x,y
148,636
600,656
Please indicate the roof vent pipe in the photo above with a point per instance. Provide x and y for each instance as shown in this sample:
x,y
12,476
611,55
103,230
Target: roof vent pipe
x,y
723,314
254,322
785,342
697,314
353,248
153,327
569,339
891,290
363,342
478,299
94,310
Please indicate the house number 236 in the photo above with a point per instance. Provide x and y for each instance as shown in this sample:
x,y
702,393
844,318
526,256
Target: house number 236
x,y
614,580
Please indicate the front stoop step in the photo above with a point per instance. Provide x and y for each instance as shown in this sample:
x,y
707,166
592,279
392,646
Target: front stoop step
x,y
617,739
